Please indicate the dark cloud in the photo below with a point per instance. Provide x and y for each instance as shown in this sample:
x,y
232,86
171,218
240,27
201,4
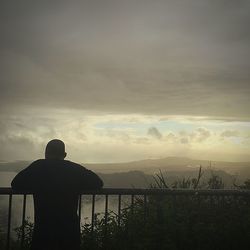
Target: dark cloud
x,y
184,140
202,134
150,57
154,132
230,133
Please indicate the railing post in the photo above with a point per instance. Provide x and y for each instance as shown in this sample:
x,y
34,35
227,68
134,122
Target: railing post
x,y
131,222
119,210
132,204
23,221
145,207
80,209
9,223
159,214
106,221
93,213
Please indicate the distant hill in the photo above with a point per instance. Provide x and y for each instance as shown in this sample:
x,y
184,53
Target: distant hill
x,y
150,166
14,166
139,173
138,179
131,179
173,164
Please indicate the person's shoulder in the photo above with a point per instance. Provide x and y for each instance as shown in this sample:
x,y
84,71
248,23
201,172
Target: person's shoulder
x,y
38,162
74,165
33,166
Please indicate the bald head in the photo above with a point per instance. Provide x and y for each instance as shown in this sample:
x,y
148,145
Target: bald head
x,y
55,149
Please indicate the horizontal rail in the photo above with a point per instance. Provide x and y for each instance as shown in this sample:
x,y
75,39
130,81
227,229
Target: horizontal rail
x,y
144,191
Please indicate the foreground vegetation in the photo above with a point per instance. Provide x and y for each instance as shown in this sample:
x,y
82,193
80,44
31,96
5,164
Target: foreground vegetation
x,y
170,222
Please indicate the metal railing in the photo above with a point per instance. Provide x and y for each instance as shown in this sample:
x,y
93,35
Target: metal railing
x,y
119,192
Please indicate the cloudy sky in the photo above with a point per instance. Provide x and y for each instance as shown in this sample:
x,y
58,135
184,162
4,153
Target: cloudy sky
x,y
125,80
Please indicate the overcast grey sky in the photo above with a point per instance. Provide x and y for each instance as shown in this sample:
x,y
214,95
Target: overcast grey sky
x,y
145,57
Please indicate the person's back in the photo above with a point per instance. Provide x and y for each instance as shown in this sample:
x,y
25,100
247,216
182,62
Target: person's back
x,y
56,184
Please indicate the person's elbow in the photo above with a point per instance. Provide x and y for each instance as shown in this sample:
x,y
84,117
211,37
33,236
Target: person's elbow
x,y
100,183
13,184
19,183
97,183
16,185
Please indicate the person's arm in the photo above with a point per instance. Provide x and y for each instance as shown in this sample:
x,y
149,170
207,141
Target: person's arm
x,y
90,180
23,180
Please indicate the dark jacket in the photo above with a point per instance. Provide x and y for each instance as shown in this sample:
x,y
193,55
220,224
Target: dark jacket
x,y
56,185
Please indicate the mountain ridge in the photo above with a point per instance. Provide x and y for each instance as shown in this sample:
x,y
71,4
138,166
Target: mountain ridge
x,y
172,163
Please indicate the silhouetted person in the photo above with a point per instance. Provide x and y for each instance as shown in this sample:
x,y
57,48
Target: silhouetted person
x,y
56,184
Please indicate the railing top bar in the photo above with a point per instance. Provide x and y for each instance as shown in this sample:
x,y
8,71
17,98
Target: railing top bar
x,y
145,191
